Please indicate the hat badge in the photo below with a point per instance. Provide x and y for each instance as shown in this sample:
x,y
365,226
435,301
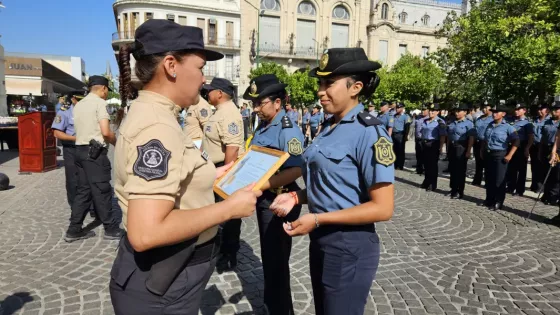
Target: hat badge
x,y
432,106
253,88
324,60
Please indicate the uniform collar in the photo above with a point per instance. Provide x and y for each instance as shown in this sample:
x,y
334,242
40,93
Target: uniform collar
x,y
225,105
153,97
351,115
278,117
519,119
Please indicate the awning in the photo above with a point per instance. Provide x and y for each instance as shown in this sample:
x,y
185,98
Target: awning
x,y
37,86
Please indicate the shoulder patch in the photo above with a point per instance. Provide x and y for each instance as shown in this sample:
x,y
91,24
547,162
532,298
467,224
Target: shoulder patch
x,y
189,114
57,119
233,128
384,153
287,122
153,160
204,112
295,147
208,128
368,120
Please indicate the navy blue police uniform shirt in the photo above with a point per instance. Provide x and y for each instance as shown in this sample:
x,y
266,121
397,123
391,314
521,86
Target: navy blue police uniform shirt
x,y
481,123
343,162
387,119
315,120
418,127
549,131
538,125
281,134
399,122
64,121
434,129
524,128
461,130
305,119
499,136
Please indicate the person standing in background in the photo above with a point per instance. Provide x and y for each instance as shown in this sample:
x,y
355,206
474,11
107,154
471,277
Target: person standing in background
x,y
196,118
517,168
314,122
418,139
400,133
58,106
460,138
292,114
245,115
537,167
386,117
480,124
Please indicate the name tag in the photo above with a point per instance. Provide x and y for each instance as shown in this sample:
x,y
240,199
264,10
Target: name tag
x,y
204,155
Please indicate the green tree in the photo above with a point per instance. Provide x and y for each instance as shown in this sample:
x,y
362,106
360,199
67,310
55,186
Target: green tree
x,y
302,89
503,49
270,68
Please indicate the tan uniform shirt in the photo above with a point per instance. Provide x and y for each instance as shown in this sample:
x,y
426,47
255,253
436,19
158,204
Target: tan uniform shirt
x,y
224,128
154,159
87,114
197,116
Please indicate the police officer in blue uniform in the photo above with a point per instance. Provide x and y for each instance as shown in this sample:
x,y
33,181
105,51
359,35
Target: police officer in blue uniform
x,y
276,131
460,140
349,178
401,126
314,122
434,132
517,168
480,124
537,167
498,136
552,185
386,116
418,138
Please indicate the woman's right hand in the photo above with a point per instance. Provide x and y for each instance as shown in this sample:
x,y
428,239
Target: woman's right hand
x,y
282,205
243,202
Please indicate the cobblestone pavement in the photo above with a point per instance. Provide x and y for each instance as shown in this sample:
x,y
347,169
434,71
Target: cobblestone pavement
x,y
438,257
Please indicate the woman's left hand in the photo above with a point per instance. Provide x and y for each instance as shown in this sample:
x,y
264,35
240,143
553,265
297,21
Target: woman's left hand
x,y
220,171
302,226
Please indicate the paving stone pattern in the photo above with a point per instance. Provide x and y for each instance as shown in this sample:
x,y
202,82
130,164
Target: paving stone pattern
x,y
438,257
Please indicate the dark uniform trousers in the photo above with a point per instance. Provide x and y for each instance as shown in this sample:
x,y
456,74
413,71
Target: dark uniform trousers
x,y
231,231
419,156
537,168
517,170
431,158
479,163
94,178
343,261
458,166
496,169
70,170
552,185
130,296
276,247
246,127
313,131
398,145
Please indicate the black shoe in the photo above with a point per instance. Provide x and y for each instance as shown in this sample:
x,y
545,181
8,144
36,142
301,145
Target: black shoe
x,y
113,234
518,194
476,183
460,196
454,196
424,186
485,203
82,235
498,206
555,220
92,213
226,262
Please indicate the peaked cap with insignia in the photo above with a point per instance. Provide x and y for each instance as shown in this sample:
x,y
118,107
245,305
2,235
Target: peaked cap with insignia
x,y
263,86
434,106
499,108
461,106
343,61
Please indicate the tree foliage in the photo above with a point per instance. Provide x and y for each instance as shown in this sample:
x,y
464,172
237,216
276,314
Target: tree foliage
x,y
501,50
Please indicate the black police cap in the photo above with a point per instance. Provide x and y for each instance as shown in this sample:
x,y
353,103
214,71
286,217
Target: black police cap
x,y
221,84
158,36
500,108
98,80
400,105
343,61
263,86
556,105
462,106
433,107
520,105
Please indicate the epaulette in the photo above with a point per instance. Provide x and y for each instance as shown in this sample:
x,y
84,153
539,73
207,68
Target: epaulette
x,y
63,107
367,119
286,122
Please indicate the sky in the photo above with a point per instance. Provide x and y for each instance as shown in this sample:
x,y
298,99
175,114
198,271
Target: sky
x,y
81,28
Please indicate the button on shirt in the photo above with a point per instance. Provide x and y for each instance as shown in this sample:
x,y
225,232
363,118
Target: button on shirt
x,y
418,127
189,177
523,128
196,118
498,136
315,120
481,123
341,164
273,135
433,129
538,128
305,119
87,114
400,122
387,119
461,130
224,128
549,131
64,121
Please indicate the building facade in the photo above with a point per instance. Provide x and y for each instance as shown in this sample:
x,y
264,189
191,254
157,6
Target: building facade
x,y
3,99
220,21
74,66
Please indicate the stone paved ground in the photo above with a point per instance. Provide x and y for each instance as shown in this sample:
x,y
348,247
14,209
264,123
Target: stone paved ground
x,y
438,257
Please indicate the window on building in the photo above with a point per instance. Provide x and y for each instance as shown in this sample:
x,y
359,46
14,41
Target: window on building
x,y
171,17
271,5
212,31
200,23
426,20
269,37
182,20
307,8
135,22
119,27
402,49
339,38
383,51
209,69
385,11
229,33
229,67
148,16
305,38
340,12
125,25
403,16
425,51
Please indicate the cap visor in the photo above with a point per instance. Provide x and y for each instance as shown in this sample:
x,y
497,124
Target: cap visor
x,y
211,55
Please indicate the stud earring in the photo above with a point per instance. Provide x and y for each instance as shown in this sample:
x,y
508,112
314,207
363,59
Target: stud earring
x,y
174,75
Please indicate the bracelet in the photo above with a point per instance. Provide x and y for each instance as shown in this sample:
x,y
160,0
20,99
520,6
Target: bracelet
x,y
316,220
294,195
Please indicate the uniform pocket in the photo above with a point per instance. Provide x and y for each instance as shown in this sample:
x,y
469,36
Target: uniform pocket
x,y
123,267
336,157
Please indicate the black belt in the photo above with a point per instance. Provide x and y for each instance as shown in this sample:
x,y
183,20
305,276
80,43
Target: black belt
x,y
461,142
493,151
398,132
67,143
327,229
428,141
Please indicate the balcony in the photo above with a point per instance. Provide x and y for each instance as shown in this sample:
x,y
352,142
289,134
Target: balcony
x,y
305,53
216,43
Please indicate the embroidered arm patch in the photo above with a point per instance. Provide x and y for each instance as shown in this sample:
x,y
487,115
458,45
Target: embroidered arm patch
x,y
295,147
233,128
384,153
153,160
204,112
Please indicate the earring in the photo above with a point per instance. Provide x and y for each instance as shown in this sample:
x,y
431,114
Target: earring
x,y
174,75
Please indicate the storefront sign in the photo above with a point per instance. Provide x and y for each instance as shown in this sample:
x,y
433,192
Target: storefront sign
x,y
23,66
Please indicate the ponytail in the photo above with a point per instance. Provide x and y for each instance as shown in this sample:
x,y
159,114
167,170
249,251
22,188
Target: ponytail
x,y
125,86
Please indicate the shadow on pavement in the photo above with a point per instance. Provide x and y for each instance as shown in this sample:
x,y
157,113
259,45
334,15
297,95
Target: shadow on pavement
x,y
13,303
7,156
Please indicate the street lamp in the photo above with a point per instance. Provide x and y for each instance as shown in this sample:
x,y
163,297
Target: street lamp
x,y
259,14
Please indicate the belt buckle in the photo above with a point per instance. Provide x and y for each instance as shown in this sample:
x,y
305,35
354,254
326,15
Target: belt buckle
x,y
279,190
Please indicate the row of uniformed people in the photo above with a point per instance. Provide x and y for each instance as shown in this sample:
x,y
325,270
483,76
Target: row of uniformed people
x,y
167,256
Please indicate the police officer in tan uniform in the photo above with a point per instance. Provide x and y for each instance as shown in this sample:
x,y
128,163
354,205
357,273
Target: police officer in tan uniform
x,y
163,182
93,135
223,140
197,116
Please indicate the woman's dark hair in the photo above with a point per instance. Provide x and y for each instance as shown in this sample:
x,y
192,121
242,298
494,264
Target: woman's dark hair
x,y
369,80
144,69
283,96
